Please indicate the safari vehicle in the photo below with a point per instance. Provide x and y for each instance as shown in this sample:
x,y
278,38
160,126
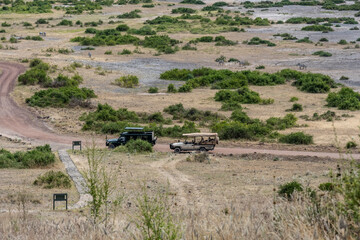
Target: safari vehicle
x,y
199,142
132,133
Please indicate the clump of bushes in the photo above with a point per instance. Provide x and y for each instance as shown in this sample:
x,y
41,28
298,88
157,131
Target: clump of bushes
x,y
296,107
258,41
38,157
320,28
153,90
277,123
322,54
345,99
132,14
241,95
53,179
183,10
37,74
61,97
342,42
286,190
351,144
179,112
138,146
296,138
129,81
171,88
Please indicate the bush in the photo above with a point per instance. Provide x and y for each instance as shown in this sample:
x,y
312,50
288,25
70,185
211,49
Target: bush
x,y
125,52
171,88
129,81
320,28
323,40
65,22
294,99
108,52
198,2
132,14
286,190
153,90
276,123
322,54
53,179
351,144
122,28
296,107
183,10
258,41
296,138
60,97
38,157
138,146
345,99
342,42
179,112
327,186
242,95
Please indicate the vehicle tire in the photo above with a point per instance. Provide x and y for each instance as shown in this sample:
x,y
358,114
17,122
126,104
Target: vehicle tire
x,y
111,146
203,149
177,150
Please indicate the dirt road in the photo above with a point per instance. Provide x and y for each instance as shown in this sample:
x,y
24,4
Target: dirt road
x,y
16,121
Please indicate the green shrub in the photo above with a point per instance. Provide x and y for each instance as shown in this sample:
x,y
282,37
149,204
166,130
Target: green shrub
x,y
38,157
125,52
53,179
108,52
296,138
294,99
276,123
304,40
138,146
239,116
41,21
65,22
153,90
322,54
162,43
323,40
327,186
230,106
242,95
198,2
183,10
351,144
148,5
179,112
258,41
345,99
171,88
185,88
342,42
122,28
61,97
286,190
129,81
342,78
296,107
320,28
132,14
145,30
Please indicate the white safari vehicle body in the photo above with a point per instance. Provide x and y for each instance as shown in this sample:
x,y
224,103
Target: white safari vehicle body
x,y
196,142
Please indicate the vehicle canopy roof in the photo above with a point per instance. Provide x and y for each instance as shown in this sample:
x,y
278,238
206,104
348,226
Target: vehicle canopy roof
x,y
200,135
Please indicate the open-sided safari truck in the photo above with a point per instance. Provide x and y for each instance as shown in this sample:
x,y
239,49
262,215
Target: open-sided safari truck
x,y
196,142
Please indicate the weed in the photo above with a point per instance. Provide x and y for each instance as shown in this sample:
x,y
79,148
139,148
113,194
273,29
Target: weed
x,y
129,81
53,179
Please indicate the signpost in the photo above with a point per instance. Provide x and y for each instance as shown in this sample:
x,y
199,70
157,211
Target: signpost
x,y
60,197
76,143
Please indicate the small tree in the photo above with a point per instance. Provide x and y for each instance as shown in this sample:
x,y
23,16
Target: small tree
x,y
99,182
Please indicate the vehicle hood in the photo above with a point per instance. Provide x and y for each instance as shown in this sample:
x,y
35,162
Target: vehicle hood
x,y
177,144
112,140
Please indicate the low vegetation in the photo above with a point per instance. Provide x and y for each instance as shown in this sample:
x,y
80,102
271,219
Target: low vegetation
x,y
39,157
136,146
53,179
296,138
345,99
129,81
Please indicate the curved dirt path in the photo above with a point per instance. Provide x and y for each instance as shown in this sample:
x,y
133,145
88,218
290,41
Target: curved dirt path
x,y
185,187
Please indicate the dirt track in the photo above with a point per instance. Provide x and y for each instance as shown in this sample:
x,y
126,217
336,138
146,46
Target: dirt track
x,y
19,122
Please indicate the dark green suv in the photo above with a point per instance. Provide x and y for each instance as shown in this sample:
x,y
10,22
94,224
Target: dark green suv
x,y
132,133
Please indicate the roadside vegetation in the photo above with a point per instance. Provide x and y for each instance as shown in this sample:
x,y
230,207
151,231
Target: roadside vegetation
x,y
39,157
53,179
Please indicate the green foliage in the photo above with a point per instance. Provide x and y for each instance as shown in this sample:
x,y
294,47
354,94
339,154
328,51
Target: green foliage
x,y
122,28
320,28
171,88
52,179
296,107
183,10
148,5
132,14
327,186
145,30
65,22
242,95
36,74
155,219
198,2
342,42
351,144
304,40
138,146
322,54
296,138
323,40
34,38
60,97
129,81
38,157
345,99
28,7
162,43
294,99
285,36
175,131
108,52
125,52
41,21
179,112
258,41
286,190
282,123
153,90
